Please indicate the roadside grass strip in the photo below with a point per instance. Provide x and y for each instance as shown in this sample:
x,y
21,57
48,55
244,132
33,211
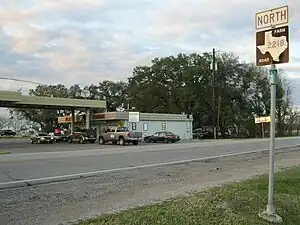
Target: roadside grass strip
x,y
14,137
231,204
4,153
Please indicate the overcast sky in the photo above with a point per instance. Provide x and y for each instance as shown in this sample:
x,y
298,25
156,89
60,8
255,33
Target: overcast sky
x,y
87,41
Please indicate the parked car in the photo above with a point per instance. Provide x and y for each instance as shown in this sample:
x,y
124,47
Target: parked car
x,y
162,137
119,134
83,136
206,132
8,133
41,138
197,133
58,137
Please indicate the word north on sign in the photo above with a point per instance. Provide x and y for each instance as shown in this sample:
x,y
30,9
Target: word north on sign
x,y
272,46
272,18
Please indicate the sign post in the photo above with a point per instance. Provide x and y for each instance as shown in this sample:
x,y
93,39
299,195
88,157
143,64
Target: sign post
x,y
262,120
272,47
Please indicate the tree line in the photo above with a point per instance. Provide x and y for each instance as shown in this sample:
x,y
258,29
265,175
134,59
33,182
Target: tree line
x,y
183,84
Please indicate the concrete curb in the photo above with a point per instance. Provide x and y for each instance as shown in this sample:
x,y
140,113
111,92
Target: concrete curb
x,y
46,180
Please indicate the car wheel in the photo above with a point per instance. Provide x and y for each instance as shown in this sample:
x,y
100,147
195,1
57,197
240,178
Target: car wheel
x,y
81,141
135,142
122,141
101,141
31,141
39,141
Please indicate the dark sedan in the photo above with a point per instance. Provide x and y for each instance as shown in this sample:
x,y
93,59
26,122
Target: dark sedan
x,y
41,138
165,137
58,137
7,133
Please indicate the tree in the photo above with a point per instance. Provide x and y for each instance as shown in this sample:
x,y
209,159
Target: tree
x,y
3,123
283,104
173,85
115,94
46,118
16,121
292,121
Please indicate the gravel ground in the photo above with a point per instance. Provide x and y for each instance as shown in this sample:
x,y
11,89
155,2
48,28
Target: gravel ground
x,y
60,203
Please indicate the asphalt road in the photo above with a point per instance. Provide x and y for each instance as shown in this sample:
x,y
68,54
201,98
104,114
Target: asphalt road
x,y
23,166
63,202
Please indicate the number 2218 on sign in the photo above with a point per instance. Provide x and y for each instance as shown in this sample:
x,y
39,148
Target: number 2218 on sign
x,y
276,44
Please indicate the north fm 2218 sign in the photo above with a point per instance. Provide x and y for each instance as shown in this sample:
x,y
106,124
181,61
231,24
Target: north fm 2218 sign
x,y
272,46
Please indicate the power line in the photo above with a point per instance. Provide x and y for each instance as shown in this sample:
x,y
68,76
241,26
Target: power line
x,y
19,80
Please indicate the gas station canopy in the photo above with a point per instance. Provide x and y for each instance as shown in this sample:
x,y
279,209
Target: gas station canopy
x,y
10,99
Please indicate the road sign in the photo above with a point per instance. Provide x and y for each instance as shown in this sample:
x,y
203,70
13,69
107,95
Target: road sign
x,y
85,93
272,46
266,119
134,117
272,18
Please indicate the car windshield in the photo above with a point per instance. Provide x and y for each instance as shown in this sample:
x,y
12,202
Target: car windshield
x,y
122,129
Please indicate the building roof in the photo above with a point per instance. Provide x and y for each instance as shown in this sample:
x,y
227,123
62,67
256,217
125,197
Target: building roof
x,y
142,116
11,99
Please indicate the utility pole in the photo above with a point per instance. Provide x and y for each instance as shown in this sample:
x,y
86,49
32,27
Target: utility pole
x,y
213,92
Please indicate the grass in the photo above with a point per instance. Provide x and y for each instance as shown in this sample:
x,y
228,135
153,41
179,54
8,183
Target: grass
x,y
13,137
233,204
4,152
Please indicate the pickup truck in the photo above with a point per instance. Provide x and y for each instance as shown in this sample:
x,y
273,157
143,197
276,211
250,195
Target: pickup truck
x,y
118,134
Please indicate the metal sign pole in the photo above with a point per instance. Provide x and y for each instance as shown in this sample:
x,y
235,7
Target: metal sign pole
x,y
270,207
270,213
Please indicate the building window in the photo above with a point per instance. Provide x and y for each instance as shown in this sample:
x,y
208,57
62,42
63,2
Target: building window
x,y
133,126
163,126
145,126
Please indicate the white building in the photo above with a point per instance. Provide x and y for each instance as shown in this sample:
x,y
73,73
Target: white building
x,y
147,123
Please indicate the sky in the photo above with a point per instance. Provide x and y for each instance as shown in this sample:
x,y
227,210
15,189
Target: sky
x,y
88,41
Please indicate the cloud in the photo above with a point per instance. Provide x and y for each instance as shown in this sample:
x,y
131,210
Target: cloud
x,y
87,41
